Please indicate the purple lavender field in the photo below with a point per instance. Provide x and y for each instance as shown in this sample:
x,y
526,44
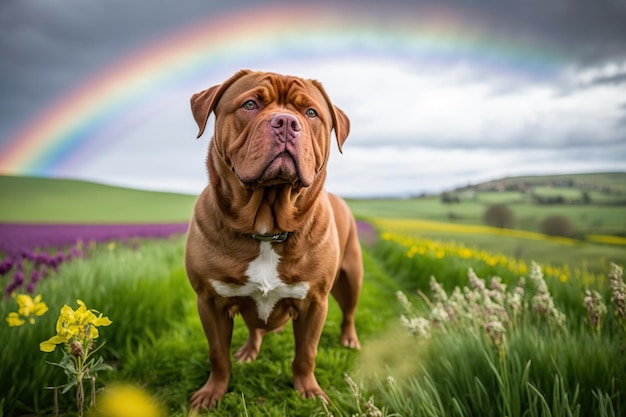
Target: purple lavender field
x,y
18,238
30,251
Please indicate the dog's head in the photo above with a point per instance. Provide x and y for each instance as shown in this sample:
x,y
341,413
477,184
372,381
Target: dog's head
x,y
271,129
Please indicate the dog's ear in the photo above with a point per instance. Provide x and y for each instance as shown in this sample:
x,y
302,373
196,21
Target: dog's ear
x,y
203,103
341,123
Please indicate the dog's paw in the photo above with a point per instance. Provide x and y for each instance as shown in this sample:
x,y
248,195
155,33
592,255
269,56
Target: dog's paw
x,y
352,343
208,395
308,387
246,353
349,338
250,350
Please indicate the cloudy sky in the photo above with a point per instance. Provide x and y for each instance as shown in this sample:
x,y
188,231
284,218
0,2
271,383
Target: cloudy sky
x,y
440,94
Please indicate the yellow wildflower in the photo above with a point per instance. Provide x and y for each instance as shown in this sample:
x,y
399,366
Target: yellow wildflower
x,y
126,401
81,325
15,320
28,308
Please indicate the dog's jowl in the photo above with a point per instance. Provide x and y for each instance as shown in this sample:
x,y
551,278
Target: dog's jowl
x,y
266,240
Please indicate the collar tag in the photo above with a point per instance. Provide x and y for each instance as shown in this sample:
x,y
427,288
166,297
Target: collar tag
x,y
274,238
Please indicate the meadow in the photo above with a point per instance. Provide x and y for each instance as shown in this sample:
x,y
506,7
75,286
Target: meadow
x,y
42,200
599,227
448,328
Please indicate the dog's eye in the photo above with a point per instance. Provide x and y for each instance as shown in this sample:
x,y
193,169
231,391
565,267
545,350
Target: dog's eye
x,y
249,105
311,113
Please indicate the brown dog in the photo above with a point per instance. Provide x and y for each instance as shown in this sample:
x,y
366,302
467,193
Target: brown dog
x,y
266,240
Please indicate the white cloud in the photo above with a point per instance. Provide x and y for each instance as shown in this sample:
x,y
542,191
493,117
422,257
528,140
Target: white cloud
x,y
391,101
412,131
412,170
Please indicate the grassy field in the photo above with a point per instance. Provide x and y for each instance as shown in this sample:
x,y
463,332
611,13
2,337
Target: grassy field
x,y
68,201
157,342
416,360
461,344
586,219
42,200
513,243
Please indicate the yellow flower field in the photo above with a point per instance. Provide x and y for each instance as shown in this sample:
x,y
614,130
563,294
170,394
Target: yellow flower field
x,y
402,232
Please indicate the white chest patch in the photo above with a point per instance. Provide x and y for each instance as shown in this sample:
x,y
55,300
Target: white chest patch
x,y
264,285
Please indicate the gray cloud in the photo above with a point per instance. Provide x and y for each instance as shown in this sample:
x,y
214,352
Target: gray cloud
x,y
47,47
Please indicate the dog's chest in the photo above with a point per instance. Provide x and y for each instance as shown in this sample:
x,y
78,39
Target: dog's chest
x,y
264,285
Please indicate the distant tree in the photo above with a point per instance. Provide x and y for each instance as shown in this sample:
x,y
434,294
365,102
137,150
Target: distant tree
x,y
499,215
586,197
557,225
448,198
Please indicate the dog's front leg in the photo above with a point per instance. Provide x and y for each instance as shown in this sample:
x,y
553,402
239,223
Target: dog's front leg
x,y
218,327
307,330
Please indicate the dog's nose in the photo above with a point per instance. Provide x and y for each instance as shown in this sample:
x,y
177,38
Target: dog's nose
x,y
286,126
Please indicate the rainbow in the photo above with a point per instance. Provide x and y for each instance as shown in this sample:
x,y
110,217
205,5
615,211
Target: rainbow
x,y
209,51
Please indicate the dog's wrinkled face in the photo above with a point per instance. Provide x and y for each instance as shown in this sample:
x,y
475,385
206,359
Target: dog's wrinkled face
x,y
271,129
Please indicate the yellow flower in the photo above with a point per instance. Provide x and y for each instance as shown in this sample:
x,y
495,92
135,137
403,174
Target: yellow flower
x,y
81,325
28,308
14,320
51,344
126,401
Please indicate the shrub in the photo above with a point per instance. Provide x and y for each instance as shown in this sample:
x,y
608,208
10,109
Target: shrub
x,y
499,215
557,225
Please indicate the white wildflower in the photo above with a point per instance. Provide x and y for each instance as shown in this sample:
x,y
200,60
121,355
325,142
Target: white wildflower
x,y
418,326
498,290
618,292
403,300
475,282
496,331
542,302
438,293
439,315
596,308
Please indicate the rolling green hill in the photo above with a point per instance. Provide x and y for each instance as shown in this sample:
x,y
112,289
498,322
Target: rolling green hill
x,y
39,200
602,182
44,200
27,199
593,203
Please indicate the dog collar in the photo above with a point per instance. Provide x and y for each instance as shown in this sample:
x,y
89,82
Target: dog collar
x,y
276,238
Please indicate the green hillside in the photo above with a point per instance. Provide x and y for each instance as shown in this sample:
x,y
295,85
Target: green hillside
x,y
39,200
593,203
27,199
44,200
603,182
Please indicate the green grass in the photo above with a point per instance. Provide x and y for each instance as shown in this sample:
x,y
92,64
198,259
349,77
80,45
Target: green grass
x,y
156,340
602,216
576,254
69,201
41,200
125,284
539,368
591,219
470,379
